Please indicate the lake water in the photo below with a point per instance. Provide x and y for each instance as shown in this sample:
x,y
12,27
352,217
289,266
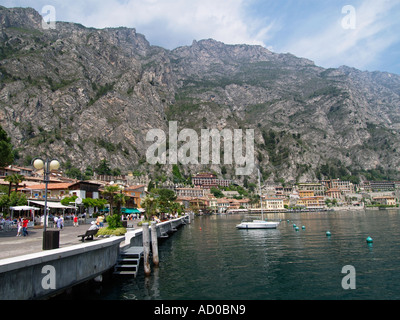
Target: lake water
x,y
211,260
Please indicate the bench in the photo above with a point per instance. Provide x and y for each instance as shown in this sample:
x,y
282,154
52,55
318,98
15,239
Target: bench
x,y
88,235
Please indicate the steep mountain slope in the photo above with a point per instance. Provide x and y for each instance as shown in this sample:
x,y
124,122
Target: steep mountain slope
x,y
304,116
83,94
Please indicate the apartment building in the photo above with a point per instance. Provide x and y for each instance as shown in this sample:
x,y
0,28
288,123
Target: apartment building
x,y
385,200
316,202
190,192
317,188
274,204
209,180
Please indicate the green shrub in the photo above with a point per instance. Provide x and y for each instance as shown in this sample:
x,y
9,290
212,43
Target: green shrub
x,y
111,232
114,221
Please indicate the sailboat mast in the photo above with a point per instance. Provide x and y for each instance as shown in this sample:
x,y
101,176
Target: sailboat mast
x,y
259,186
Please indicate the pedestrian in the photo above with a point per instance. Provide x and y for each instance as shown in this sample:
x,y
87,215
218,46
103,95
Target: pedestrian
x,y
60,223
25,222
19,226
75,220
100,221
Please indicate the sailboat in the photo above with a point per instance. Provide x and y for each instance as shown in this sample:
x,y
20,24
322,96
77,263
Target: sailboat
x,y
258,224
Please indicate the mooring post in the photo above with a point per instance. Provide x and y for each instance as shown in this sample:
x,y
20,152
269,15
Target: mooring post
x,y
154,243
146,248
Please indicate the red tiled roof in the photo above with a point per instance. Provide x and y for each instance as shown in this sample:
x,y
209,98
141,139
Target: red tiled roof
x,y
50,186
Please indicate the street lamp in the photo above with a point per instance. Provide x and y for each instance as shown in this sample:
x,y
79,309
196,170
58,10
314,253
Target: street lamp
x,y
47,166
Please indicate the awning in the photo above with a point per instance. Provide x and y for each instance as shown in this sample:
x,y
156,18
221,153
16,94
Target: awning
x,y
129,211
23,208
54,205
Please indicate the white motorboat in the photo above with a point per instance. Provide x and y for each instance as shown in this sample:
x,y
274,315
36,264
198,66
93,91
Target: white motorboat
x,y
258,224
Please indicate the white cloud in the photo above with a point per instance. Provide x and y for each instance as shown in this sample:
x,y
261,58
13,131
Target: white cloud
x,y
359,47
171,22
305,28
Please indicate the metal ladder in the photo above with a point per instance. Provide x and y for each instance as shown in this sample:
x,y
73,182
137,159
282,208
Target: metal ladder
x,y
129,261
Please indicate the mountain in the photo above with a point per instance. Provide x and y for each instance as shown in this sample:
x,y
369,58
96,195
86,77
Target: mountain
x,y
82,94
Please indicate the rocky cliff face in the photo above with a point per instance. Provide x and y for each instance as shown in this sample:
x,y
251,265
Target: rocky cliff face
x,y
83,94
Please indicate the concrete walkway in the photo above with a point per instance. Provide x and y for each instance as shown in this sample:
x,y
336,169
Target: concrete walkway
x,y
13,246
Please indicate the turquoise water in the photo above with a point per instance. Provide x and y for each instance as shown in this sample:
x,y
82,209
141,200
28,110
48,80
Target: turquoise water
x,y
211,260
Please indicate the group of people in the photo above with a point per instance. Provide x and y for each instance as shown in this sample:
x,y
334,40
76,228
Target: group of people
x,y
99,223
22,224
22,227
59,222
129,217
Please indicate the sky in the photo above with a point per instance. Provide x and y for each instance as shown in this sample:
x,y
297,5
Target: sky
x,y
364,34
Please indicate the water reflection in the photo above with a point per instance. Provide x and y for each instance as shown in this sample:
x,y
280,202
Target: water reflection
x,y
211,259
152,285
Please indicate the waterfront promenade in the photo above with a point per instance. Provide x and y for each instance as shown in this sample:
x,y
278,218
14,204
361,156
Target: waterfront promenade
x,y
28,272
12,246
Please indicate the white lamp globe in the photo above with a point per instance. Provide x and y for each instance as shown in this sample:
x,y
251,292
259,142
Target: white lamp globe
x,y
54,165
38,164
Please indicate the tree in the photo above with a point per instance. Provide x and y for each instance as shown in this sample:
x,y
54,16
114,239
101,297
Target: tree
x,y
177,176
223,170
17,199
165,194
4,202
165,199
176,208
94,203
10,180
104,168
88,173
150,205
74,173
15,179
150,186
6,149
109,194
116,172
66,201
216,192
18,178
120,200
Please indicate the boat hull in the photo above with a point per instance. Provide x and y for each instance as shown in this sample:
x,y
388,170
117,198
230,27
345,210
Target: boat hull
x,y
258,225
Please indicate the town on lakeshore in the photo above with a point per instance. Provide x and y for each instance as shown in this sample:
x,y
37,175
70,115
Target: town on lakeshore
x,y
207,194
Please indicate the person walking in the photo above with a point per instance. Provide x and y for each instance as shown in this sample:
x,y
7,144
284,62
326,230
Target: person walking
x,y
19,227
55,221
25,222
60,223
75,220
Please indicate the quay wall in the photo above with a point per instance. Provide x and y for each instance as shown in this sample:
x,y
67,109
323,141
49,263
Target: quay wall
x,y
134,238
45,274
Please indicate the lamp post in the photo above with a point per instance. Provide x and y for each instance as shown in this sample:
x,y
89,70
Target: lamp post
x,y
47,166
